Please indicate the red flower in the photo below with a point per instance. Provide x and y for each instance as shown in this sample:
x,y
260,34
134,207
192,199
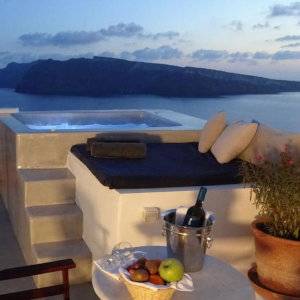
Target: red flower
x,y
259,158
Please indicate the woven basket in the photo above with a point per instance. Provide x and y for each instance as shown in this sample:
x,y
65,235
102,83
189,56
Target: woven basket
x,y
143,293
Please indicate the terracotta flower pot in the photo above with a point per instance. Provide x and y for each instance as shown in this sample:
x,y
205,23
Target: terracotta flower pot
x,y
278,262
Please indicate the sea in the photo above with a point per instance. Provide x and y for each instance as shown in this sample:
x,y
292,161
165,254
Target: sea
x,y
281,111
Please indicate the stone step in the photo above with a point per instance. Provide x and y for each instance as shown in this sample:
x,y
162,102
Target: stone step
x,y
51,223
47,186
75,249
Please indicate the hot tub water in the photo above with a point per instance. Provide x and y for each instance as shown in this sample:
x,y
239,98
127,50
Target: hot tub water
x,y
95,120
67,126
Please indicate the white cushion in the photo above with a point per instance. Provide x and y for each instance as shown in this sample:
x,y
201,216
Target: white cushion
x,y
211,131
267,143
234,140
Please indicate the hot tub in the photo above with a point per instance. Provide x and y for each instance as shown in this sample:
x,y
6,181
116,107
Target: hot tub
x,y
105,120
44,138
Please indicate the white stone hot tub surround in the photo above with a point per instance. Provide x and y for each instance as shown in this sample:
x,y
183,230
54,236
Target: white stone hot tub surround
x,y
114,215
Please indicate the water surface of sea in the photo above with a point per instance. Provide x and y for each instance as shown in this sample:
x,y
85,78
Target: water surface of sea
x,y
280,111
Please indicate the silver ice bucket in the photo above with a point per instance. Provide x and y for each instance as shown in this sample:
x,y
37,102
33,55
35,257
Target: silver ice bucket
x,y
187,244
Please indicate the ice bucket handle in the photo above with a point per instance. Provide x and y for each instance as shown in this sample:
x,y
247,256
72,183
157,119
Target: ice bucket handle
x,y
208,238
164,229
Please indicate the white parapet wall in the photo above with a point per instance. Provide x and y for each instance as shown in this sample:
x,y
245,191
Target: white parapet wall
x,y
111,216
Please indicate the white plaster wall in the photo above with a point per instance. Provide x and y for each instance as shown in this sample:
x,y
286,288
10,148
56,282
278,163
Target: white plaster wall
x,y
112,216
232,238
100,207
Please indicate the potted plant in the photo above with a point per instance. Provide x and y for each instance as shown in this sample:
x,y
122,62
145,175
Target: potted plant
x,y
275,190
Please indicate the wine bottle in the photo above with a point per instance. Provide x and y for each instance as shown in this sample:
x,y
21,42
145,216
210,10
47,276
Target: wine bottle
x,y
195,216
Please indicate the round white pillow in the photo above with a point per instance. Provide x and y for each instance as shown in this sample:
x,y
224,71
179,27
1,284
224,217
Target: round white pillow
x,y
211,131
233,141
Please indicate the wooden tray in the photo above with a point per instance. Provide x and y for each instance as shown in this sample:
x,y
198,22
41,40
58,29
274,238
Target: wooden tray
x,y
265,292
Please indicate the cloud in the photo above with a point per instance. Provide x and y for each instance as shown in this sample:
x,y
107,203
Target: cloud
x,y
122,30
261,55
208,54
239,57
8,57
73,38
35,39
235,25
61,39
151,54
286,55
288,38
261,26
293,45
107,54
248,57
25,57
155,36
277,27
125,55
163,53
292,9
216,55
3,53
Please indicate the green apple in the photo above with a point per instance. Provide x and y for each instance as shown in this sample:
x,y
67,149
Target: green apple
x,y
171,269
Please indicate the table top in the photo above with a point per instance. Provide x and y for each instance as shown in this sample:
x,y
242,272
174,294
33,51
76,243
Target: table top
x,y
217,280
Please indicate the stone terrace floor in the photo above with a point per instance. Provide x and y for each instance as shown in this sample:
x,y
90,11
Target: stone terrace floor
x,y
11,256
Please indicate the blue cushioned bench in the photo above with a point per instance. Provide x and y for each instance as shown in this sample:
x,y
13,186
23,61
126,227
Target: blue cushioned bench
x,y
166,165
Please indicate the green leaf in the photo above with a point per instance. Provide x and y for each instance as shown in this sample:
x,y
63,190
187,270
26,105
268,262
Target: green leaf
x,y
296,233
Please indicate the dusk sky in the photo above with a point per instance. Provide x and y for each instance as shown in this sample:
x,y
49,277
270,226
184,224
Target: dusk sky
x,y
259,37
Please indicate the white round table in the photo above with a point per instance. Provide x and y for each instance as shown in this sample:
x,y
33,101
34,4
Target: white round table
x,y
216,281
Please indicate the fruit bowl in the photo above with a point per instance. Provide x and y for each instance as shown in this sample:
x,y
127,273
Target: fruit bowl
x,y
142,291
149,280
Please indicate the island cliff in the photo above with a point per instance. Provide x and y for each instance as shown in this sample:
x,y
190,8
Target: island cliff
x,y
113,77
